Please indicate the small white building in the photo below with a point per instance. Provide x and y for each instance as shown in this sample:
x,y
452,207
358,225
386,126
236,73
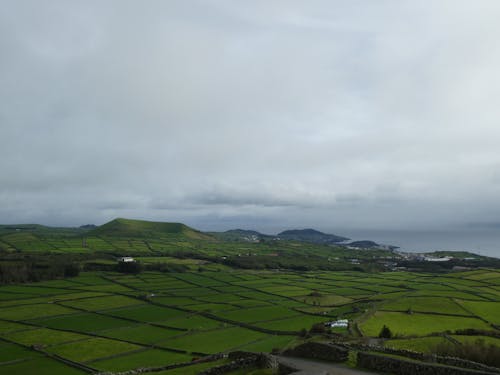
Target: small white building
x,y
340,323
126,259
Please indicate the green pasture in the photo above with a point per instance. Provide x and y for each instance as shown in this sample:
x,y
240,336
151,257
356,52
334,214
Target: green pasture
x,y
214,341
82,322
146,313
91,349
489,311
193,369
141,333
295,323
6,327
323,299
425,304
102,303
141,359
257,314
421,344
43,337
193,322
187,311
472,339
26,312
43,366
417,324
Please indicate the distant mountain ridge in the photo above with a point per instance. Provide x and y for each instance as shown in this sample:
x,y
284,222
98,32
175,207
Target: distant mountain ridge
x,y
302,235
311,235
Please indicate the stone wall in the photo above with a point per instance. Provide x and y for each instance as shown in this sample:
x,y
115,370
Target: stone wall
x,y
449,361
327,352
400,366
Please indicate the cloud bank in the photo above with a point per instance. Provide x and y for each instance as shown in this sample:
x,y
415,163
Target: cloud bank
x,y
266,113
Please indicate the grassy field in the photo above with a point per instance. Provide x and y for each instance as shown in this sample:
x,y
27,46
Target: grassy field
x,y
103,320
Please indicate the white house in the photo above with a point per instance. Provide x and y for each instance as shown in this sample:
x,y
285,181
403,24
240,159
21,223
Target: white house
x,y
342,323
126,259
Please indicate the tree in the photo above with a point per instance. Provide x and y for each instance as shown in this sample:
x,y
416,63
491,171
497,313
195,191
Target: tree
x,y
385,332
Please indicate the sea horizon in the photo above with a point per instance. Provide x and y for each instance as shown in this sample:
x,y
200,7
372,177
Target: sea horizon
x,y
484,241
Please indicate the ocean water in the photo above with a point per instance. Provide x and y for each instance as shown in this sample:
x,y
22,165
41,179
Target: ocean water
x,y
480,241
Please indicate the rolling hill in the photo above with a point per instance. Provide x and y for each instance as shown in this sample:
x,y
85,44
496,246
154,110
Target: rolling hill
x,y
311,235
128,228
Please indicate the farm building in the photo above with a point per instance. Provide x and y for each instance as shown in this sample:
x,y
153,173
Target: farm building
x,y
342,323
126,259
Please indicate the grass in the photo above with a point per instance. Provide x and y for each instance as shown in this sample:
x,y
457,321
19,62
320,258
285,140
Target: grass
x,y
91,349
146,313
84,322
214,341
423,344
146,358
262,299
141,333
489,311
102,303
417,324
44,336
425,304
193,369
319,299
27,312
43,366
258,314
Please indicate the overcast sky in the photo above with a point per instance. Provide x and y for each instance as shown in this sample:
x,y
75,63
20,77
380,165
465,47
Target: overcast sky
x,y
259,114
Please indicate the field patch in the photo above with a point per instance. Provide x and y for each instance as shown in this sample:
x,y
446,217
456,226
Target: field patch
x,y
293,324
320,299
258,314
26,312
145,358
423,344
425,304
44,337
417,324
489,311
43,366
214,341
141,333
83,322
84,351
102,303
146,313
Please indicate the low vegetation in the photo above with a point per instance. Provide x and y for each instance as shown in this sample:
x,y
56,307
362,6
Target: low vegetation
x,y
67,305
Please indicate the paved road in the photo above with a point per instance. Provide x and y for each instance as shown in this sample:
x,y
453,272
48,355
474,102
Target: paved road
x,y
310,367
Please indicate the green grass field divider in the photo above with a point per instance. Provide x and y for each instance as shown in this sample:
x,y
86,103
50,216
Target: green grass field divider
x,y
451,339
229,321
122,317
14,361
93,334
144,370
55,357
111,280
423,357
433,313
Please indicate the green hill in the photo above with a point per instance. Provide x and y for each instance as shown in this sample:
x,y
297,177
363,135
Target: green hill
x,y
128,228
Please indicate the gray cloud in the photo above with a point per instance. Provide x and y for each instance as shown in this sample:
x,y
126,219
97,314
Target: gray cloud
x,y
321,113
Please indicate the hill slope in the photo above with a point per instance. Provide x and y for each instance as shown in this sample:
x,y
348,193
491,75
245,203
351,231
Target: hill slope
x,y
128,228
310,235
